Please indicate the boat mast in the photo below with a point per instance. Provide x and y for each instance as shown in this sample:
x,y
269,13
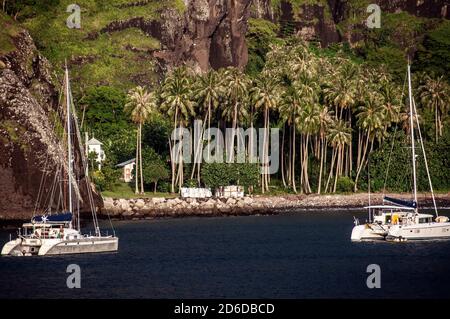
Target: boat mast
x,y
69,149
411,114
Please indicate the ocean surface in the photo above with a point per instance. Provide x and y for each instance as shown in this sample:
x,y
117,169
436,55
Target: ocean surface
x,y
296,255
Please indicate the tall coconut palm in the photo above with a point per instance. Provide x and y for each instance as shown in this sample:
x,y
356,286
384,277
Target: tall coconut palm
x,y
339,135
391,104
341,91
435,94
307,86
289,108
237,85
266,96
325,121
177,102
140,106
208,90
371,120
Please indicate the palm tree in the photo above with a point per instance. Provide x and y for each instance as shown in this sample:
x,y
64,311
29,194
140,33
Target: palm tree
x,y
177,102
325,121
339,135
209,88
435,94
391,104
266,96
341,91
307,86
289,109
371,119
140,105
237,86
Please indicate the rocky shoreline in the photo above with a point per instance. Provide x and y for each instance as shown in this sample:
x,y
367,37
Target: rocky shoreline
x,y
148,208
159,207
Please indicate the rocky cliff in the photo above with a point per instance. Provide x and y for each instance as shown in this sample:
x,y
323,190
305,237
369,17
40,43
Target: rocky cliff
x,y
332,21
30,127
124,43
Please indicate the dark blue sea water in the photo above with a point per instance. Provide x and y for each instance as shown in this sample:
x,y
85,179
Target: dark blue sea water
x,y
302,255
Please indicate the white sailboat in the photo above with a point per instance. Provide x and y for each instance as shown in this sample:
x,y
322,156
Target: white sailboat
x,y
415,225
381,218
401,220
55,234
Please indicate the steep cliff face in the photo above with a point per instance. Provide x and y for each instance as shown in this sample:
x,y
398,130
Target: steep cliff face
x,y
332,21
29,142
126,43
211,33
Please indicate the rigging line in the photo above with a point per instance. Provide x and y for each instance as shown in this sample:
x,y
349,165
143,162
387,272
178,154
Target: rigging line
x,y
43,177
425,158
393,140
84,163
49,194
54,187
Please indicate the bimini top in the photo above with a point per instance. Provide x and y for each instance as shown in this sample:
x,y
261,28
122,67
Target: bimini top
x,y
400,202
57,218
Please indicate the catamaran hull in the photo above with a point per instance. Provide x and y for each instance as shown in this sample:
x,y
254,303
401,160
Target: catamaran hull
x,y
61,247
366,233
419,232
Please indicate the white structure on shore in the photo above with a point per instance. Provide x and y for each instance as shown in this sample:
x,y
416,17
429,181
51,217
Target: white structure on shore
x,y
127,168
195,192
94,145
230,191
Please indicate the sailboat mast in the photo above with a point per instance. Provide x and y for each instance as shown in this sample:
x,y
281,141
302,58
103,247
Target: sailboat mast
x,y
69,142
411,122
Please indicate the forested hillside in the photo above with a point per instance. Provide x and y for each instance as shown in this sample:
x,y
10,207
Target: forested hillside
x,y
312,68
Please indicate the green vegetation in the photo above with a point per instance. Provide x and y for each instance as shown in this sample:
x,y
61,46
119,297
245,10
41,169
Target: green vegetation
x,y
154,168
338,107
115,58
260,35
8,30
124,190
434,54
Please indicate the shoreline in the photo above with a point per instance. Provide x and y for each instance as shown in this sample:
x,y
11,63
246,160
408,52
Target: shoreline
x,y
160,207
149,208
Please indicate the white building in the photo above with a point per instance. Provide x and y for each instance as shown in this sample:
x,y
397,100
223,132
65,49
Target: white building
x,y
94,145
127,168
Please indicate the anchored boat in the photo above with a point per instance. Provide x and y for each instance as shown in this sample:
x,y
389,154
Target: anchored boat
x,y
60,233
403,221
416,225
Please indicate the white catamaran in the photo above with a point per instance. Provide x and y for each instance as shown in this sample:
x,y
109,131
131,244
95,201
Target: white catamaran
x,y
55,234
402,221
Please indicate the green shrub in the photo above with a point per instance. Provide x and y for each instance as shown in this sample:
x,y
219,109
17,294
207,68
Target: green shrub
x,y
191,183
344,184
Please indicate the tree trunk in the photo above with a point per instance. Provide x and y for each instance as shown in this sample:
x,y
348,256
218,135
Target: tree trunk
x,y
172,155
361,164
136,162
140,157
333,160
294,187
322,144
282,157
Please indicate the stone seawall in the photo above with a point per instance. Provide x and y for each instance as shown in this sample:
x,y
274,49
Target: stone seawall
x,y
156,207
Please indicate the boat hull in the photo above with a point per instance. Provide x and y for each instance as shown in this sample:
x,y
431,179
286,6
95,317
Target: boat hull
x,y
367,233
61,247
429,231
79,246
